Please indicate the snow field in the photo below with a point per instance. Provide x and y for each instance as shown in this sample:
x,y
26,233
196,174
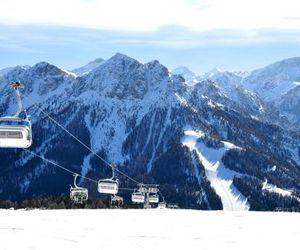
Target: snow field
x,y
147,229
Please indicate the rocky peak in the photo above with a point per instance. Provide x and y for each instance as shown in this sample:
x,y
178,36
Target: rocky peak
x,y
44,68
275,80
86,69
189,76
125,78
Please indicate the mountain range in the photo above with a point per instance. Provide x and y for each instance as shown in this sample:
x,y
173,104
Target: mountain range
x,y
222,140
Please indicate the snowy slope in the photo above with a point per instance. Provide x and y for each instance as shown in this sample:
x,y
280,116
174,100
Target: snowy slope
x,y
220,177
147,230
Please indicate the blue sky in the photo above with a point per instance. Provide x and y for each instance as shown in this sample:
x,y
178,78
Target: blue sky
x,y
198,34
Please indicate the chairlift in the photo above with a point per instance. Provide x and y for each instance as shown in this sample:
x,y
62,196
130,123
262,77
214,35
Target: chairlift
x,y
154,198
162,205
153,190
78,194
16,132
116,201
173,205
143,189
138,197
109,186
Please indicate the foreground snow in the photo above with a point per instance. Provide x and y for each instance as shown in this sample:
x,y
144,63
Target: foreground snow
x,y
147,229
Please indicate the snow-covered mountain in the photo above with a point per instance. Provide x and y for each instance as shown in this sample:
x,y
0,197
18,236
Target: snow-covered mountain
x,y
81,71
141,116
189,76
275,80
5,71
224,88
278,85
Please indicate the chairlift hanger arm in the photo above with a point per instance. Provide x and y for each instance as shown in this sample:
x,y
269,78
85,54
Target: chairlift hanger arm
x,y
17,86
75,178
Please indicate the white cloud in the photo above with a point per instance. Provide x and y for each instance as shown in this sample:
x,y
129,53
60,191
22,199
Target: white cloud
x,y
147,15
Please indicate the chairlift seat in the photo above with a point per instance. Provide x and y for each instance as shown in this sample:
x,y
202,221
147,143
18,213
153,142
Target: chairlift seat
x,y
15,136
153,190
153,199
78,194
116,198
143,189
162,205
138,197
108,186
15,132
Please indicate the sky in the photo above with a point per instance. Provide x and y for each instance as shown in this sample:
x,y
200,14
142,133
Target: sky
x,y
200,34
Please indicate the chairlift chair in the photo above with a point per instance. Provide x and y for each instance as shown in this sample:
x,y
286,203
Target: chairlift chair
x,y
154,198
78,194
143,189
109,186
116,201
153,190
138,197
16,132
162,205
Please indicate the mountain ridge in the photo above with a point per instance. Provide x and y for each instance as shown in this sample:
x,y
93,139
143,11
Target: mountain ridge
x,y
136,115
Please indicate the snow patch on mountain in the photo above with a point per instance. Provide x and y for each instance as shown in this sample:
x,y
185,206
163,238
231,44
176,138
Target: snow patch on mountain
x,y
86,166
273,188
229,145
220,177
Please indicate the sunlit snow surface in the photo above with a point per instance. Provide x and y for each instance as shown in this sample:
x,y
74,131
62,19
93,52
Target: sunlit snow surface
x,y
147,229
220,177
